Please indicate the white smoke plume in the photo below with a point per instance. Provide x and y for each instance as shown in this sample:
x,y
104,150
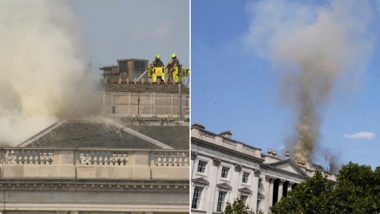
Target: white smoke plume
x,y
314,46
43,69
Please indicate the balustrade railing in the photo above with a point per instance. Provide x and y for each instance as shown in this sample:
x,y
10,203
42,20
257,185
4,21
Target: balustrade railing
x,y
171,159
21,156
96,157
20,163
102,158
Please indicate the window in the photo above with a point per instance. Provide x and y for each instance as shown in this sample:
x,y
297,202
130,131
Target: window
x,y
202,166
244,198
140,65
220,203
224,172
196,197
245,177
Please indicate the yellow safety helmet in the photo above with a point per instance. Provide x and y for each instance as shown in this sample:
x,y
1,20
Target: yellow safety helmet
x,y
174,55
157,56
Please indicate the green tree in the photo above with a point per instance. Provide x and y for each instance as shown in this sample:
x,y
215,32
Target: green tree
x,y
357,190
308,197
237,207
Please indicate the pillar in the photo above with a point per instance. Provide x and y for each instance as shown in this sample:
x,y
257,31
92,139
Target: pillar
x,y
290,184
264,203
269,195
280,190
255,191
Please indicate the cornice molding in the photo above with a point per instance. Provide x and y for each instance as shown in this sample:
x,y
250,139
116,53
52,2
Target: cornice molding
x,y
224,186
225,150
201,181
86,185
245,190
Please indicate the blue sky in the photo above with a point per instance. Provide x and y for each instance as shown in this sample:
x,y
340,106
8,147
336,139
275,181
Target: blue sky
x,y
118,29
234,89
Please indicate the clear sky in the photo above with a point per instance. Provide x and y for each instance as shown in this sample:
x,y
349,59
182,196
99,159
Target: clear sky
x,y
119,29
234,89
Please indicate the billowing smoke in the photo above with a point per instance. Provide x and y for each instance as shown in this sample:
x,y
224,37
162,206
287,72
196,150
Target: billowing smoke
x,y
43,70
314,46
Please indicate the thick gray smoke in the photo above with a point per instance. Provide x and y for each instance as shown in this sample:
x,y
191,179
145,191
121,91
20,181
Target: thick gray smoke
x,y
43,72
314,47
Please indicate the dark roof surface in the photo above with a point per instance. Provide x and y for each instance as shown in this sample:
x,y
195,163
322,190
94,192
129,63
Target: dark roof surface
x,y
174,136
88,134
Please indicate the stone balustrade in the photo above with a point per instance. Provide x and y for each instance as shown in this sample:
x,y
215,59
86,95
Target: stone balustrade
x,y
114,164
102,158
22,156
171,159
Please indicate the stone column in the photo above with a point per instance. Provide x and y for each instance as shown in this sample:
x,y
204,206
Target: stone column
x,y
280,190
264,203
269,195
290,184
255,192
263,190
212,192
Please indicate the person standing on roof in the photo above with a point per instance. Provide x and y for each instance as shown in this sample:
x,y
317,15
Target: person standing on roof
x,y
174,62
157,62
156,70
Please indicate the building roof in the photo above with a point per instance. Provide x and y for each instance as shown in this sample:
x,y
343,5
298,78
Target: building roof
x,y
174,136
203,129
90,134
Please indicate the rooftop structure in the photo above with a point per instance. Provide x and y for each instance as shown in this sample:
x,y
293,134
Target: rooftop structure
x,y
126,70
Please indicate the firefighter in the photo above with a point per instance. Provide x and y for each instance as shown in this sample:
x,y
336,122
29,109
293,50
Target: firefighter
x,y
157,70
157,61
174,69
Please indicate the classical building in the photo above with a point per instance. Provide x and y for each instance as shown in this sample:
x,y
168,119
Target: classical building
x,y
98,166
224,169
133,158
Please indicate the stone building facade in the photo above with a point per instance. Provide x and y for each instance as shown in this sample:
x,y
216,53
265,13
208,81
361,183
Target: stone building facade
x,y
98,166
224,169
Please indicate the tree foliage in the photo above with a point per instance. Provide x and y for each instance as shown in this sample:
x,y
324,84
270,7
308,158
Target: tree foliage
x,y
237,207
357,190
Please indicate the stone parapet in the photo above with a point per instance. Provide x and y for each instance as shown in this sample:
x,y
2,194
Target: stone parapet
x,y
225,142
109,164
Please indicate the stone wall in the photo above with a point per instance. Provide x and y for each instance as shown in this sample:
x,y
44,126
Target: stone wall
x,y
145,105
76,181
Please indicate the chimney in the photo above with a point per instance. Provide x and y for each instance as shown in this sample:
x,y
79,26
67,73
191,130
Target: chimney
x,y
287,154
301,162
226,134
198,126
269,151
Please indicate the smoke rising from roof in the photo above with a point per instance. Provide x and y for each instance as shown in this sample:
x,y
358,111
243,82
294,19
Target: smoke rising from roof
x,y
314,46
43,71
